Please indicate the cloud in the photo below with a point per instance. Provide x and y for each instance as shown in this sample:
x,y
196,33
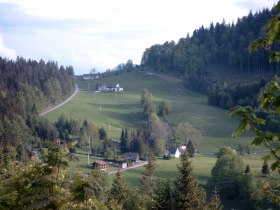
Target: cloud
x,y
5,51
103,34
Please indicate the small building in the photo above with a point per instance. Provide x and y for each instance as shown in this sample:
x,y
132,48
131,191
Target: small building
x,y
99,164
131,157
91,76
177,152
122,165
110,87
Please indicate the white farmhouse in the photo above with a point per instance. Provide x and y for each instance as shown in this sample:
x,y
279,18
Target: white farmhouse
x,y
177,152
110,87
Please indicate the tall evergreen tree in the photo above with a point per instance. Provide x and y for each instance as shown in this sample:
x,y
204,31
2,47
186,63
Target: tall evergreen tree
x,y
247,169
265,168
120,190
148,181
187,194
249,193
124,141
163,195
215,203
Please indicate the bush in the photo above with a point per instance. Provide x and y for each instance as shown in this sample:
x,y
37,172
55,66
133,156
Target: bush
x,y
166,157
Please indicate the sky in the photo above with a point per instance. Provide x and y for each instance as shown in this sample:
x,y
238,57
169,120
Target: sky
x,y
89,34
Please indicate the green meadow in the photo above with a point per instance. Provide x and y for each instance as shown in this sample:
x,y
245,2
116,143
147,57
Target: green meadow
x,y
115,111
122,110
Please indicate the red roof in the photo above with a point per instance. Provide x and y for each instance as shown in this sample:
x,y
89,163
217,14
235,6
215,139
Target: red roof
x,y
101,162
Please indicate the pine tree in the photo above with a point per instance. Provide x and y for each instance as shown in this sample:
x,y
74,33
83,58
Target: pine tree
x,y
122,142
190,148
247,170
265,168
120,190
215,203
187,194
148,178
148,181
249,193
163,195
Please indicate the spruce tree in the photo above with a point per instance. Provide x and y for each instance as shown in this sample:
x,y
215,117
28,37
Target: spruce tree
x,y
247,169
120,190
148,181
249,193
163,195
265,168
122,142
215,202
187,194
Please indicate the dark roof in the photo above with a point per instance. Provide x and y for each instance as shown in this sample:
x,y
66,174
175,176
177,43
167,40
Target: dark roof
x,y
111,85
131,156
172,150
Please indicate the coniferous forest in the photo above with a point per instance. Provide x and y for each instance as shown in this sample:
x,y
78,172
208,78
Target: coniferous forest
x,y
26,88
219,45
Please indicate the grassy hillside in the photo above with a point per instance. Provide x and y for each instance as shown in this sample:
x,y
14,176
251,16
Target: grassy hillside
x,y
116,111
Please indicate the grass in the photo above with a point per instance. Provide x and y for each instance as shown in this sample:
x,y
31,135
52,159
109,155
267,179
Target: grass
x,y
85,161
123,110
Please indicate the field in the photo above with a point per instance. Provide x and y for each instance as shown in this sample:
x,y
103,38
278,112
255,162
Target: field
x,y
123,110
115,111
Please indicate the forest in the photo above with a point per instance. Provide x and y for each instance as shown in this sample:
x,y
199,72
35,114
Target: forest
x,y
26,88
220,45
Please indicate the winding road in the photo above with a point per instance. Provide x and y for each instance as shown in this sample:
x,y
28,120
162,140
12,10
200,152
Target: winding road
x,y
64,102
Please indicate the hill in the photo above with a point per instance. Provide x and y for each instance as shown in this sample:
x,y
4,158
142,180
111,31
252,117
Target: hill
x,y
122,110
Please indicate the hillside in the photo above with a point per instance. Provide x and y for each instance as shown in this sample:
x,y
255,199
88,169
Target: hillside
x,y
122,110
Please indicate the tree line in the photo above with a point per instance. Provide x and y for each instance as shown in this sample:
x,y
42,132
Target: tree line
x,y
221,44
26,88
155,136
49,184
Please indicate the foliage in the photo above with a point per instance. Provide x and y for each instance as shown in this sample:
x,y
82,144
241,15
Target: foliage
x,y
102,134
148,182
191,149
215,202
163,195
225,150
220,44
265,168
269,102
187,193
186,132
27,87
249,193
271,37
247,169
148,179
134,201
227,173
124,141
164,108
120,190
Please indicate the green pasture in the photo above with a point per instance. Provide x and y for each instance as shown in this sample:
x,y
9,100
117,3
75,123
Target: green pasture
x,y
116,111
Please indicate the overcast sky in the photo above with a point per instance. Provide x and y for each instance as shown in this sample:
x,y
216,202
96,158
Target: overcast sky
x,y
102,34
